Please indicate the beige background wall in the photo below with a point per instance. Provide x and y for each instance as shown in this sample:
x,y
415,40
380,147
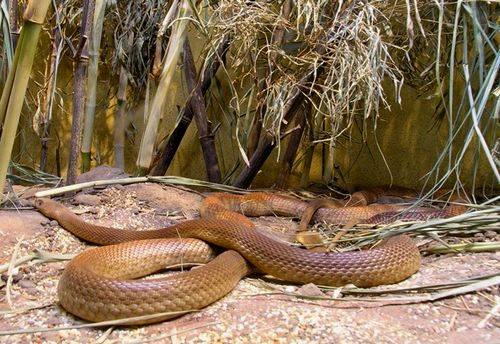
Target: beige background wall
x,y
408,135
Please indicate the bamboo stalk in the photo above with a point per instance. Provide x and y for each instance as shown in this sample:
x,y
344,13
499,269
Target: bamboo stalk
x,y
267,143
197,105
255,131
13,97
49,96
169,180
291,150
79,92
309,154
175,44
468,247
175,138
94,44
119,133
4,101
8,45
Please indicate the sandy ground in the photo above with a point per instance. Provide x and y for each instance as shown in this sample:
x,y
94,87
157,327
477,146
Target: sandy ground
x,y
259,310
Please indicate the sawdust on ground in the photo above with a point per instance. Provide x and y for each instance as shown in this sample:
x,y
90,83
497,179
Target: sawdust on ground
x,y
257,311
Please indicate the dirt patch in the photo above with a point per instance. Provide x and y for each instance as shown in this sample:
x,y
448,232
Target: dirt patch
x,y
257,311
18,225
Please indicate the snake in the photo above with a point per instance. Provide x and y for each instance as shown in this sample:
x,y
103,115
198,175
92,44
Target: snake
x,y
102,283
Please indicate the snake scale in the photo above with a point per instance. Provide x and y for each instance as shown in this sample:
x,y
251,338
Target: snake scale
x,y
101,283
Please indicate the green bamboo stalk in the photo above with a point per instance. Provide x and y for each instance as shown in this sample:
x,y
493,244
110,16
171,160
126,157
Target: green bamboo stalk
x,y
175,46
94,44
13,95
4,101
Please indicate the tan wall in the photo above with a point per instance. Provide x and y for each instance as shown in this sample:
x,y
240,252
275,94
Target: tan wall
x,y
408,138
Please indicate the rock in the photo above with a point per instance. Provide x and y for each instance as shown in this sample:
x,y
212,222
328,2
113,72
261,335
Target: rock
x,y
86,199
16,277
26,284
119,187
134,210
24,202
102,172
490,234
310,289
53,223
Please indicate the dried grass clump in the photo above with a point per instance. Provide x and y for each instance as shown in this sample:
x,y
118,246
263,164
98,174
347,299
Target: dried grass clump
x,y
342,56
348,46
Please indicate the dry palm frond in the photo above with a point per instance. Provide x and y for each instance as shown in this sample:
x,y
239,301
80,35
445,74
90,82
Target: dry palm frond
x,y
25,175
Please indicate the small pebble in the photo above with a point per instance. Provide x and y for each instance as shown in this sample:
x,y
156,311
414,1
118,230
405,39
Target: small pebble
x,y
15,277
26,284
310,289
53,223
24,202
490,234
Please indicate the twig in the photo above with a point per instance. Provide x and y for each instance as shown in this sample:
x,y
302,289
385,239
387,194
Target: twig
x,y
10,272
41,256
97,324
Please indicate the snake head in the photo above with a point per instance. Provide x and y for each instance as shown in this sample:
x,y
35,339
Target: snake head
x,y
47,207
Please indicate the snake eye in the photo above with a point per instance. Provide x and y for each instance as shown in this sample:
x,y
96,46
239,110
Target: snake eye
x,y
38,202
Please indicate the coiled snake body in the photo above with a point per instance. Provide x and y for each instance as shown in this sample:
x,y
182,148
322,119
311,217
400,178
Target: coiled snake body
x,y
99,284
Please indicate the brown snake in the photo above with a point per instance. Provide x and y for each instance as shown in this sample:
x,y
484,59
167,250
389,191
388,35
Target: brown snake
x,y
99,284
